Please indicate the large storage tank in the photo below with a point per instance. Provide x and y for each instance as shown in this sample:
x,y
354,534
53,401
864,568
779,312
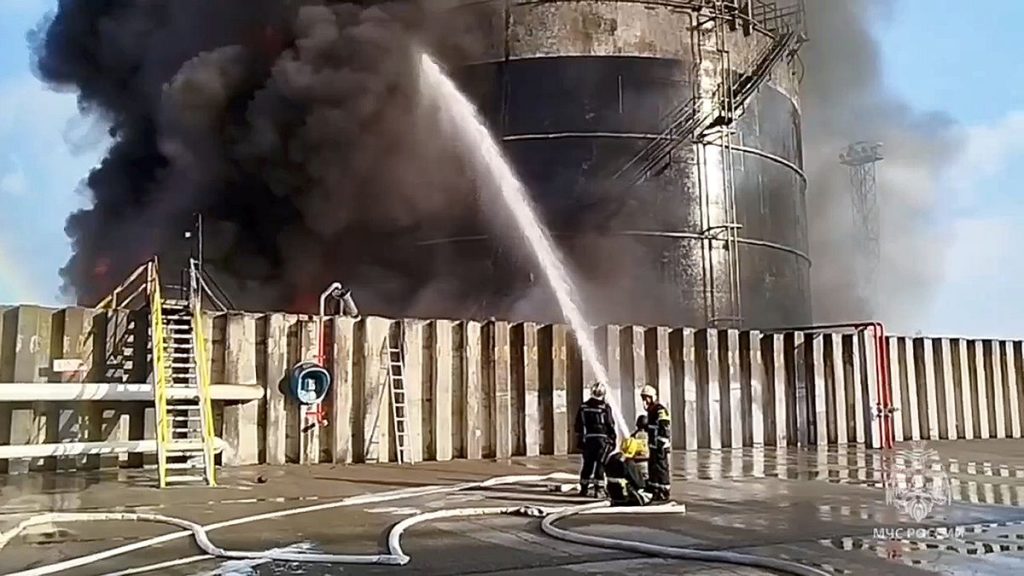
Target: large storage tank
x,y
706,234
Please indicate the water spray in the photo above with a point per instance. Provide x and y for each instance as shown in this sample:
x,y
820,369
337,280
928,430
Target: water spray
x,y
495,171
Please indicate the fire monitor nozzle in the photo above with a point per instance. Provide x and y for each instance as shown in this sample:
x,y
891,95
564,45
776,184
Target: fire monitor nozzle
x,y
344,296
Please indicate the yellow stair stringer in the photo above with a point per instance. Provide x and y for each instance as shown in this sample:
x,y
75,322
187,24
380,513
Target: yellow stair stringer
x,y
203,376
160,371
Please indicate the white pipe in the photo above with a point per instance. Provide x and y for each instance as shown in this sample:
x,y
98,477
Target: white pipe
x,y
87,449
396,555
114,391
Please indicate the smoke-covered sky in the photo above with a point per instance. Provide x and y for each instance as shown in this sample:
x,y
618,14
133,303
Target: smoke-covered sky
x,y
947,183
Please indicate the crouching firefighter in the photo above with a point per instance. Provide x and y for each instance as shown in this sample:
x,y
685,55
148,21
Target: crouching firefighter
x,y
625,479
595,436
659,481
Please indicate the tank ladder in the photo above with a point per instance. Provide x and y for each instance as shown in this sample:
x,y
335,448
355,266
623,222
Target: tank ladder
x,y
396,387
184,412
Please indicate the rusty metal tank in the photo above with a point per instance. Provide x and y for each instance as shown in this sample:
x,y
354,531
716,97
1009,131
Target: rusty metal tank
x,y
713,230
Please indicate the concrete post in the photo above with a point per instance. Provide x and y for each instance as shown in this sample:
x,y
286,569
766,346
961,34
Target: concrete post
x,y
780,379
116,419
308,352
1012,354
796,400
609,347
757,379
578,377
925,360
501,394
860,415
633,372
341,406
839,390
530,421
980,386
27,332
555,403
964,354
373,391
658,358
276,382
473,388
72,339
732,390
241,420
691,402
999,400
873,425
677,366
949,396
443,391
820,379
704,351
413,371
897,389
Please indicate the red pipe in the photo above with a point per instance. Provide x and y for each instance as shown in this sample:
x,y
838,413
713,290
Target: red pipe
x,y
883,383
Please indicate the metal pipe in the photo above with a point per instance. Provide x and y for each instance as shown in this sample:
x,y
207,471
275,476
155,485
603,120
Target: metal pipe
x,y
115,392
652,234
87,449
321,352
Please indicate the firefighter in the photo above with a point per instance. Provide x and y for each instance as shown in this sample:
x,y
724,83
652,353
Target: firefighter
x,y
625,480
595,437
643,452
659,481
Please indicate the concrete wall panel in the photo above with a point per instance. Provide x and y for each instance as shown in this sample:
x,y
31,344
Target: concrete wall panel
x,y
479,390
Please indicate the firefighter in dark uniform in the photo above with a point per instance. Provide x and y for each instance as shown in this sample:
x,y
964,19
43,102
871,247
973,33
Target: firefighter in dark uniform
x,y
659,437
625,479
595,436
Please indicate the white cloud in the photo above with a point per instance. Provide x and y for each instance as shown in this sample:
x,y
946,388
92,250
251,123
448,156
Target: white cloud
x,y
14,182
988,150
39,180
981,294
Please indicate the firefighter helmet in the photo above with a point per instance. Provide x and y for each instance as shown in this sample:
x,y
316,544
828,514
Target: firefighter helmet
x,y
648,391
598,390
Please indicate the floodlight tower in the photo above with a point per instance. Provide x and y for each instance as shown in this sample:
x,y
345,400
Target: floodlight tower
x,y
862,159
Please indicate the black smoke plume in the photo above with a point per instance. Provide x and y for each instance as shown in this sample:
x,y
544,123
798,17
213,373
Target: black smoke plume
x,y
845,99
292,126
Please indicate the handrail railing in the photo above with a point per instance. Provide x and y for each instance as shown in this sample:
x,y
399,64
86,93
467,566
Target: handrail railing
x,y
201,281
111,301
163,424
203,377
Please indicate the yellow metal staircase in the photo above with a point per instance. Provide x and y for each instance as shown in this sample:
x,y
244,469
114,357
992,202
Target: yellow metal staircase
x,y
181,382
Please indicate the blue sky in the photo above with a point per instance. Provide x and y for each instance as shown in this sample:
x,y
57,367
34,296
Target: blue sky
x,y
940,55
964,59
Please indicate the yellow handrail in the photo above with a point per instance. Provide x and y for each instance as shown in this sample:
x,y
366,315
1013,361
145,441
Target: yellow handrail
x,y
111,300
163,425
203,374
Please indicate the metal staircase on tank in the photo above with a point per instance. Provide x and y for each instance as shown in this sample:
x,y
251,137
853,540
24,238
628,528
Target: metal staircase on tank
x,y
181,379
185,440
687,123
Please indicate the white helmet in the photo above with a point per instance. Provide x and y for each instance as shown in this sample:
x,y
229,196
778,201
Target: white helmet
x,y
598,390
649,392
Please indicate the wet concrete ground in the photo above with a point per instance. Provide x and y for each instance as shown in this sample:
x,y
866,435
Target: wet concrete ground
x,y
825,508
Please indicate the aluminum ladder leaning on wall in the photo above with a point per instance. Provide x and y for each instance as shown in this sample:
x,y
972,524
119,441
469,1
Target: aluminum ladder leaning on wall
x,y
396,386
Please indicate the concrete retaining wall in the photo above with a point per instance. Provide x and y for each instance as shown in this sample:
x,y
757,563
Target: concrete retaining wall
x,y
494,390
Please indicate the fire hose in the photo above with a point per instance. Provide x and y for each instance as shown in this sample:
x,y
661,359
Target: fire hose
x,y
395,556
